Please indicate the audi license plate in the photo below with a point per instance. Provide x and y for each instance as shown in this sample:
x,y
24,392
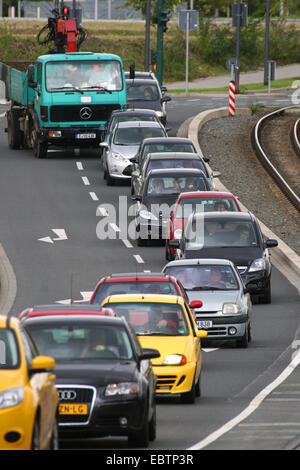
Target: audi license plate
x,y
73,409
204,324
85,136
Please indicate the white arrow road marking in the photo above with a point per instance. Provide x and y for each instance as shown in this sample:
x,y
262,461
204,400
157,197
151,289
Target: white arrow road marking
x,y
86,295
61,235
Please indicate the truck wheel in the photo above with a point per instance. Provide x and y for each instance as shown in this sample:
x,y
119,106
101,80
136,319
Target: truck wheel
x,y
40,150
15,135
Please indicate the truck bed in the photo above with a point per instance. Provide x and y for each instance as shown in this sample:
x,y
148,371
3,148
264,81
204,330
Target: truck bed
x,y
16,89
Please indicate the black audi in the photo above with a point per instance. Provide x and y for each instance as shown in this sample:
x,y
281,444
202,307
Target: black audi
x,y
104,378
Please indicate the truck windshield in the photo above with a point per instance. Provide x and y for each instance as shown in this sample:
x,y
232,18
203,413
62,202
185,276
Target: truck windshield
x,y
88,74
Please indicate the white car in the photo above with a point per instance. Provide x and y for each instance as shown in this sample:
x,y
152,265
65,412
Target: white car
x,y
123,145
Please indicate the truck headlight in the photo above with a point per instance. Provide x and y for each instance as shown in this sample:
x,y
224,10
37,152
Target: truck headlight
x,y
257,265
231,308
122,388
11,397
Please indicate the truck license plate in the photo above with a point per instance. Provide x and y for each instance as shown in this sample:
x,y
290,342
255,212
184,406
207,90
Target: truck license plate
x,y
85,136
204,324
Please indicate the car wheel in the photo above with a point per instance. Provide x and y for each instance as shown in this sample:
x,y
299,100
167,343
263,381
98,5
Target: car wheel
x,y
266,297
35,440
141,437
243,341
152,426
188,398
54,437
198,387
109,180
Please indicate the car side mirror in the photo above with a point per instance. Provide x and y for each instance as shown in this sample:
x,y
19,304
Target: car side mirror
x,y
30,74
206,159
103,145
165,99
201,334
164,89
196,304
174,243
42,363
132,71
149,353
271,243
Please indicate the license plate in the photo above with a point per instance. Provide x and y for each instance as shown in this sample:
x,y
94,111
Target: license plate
x,y
85,136
73,409
204,324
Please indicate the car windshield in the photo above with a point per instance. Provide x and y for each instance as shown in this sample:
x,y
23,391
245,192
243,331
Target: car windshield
x,y
71,342
151,318
204,277
9,350
135,135
137,92
154,164
88,74
166,147
188,205
225,234
175,184
133,287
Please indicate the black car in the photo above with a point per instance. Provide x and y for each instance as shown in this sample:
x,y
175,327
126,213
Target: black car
x,y
146,93
230,235
104,378
164,160
158,195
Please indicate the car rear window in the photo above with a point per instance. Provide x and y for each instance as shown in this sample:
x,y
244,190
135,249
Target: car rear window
x,y
176,163
133,287
71,342
135,135
166,147
9,349
175,184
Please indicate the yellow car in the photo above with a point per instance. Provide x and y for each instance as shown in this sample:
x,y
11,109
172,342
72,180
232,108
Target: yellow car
x,y
166,323
28,396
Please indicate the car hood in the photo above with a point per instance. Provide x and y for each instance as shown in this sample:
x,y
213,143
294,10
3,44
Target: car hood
x,y
127,151
240,256
212,300
166,345
97,373
162,203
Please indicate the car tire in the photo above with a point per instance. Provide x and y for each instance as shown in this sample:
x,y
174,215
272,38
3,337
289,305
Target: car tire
x,y
188,398
198,387
35,440
244,340
140,438
109,180
152,426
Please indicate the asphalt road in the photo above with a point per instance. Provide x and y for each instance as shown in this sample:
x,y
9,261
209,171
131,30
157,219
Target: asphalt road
x,y
63,192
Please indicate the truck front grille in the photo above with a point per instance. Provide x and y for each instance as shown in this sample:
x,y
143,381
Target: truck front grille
x,y
82,113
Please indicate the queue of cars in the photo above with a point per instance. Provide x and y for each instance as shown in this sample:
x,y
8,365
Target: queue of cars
x,y
140,335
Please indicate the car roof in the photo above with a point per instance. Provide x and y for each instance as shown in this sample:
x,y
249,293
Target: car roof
x,y
168,140
141,123
157,298
206,194
199,261
78,319
59,310
127,277
173,156
136,111
176,171
141,81
142,75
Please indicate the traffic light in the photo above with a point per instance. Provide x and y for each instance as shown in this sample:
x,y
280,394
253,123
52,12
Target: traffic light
x,y
163,18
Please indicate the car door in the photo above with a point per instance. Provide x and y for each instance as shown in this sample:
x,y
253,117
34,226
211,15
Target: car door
x,y
196,341
42,384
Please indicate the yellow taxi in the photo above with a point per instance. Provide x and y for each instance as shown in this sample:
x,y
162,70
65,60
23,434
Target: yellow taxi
x,y
28,396
166,323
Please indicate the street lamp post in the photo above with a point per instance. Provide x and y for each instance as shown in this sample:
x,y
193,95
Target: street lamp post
x,y
267,35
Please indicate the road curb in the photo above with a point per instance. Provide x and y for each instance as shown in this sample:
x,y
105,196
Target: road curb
x,y
283,257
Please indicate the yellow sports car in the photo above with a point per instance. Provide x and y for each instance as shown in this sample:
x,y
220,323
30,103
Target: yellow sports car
x,y
166,323
28,396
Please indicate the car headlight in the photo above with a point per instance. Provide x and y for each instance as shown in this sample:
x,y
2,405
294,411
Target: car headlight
x,y
122,388
231,309
257,265
147,215
119,157
11,397
175,360
178,233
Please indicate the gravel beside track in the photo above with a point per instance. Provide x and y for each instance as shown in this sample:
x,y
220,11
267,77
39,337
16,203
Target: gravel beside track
x,y
228,143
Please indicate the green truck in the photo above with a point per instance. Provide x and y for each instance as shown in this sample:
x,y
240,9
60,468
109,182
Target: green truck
x,y
63,100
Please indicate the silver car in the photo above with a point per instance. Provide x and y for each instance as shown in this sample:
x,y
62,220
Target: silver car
x,y
123,145
226,309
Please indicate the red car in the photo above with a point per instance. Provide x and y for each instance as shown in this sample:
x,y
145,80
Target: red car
x,y
140,283
187,203
48,310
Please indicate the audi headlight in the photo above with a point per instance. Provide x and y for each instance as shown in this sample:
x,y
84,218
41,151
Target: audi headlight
x,y
122,388
257,265
119,157
178,233
147,215
231,309
174,360
11,397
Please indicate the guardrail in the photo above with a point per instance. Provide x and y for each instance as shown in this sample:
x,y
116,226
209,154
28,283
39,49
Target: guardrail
x,y
278,178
